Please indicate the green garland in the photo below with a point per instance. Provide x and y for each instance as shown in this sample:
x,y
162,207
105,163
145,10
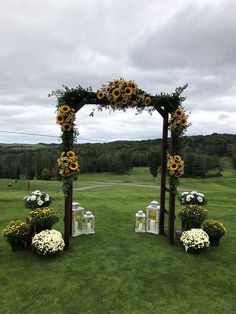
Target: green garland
x,y
118,95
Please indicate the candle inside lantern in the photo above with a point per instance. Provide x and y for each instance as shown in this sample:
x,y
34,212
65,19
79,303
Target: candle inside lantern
x,y
76,226
89,227
140,226
152,225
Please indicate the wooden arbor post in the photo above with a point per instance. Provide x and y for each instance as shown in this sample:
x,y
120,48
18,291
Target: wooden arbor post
x,y
68,216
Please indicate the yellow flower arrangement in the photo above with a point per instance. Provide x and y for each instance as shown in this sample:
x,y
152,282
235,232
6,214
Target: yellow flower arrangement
x,y
179,121
175,166
68,163
65,117
123,94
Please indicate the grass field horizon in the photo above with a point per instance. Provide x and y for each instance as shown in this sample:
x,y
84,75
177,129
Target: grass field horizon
x,y
117,270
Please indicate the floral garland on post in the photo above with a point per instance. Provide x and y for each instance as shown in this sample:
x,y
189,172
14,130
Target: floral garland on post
x,y
178,124
68,161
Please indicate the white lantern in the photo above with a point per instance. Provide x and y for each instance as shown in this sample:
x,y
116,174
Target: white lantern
x,y
77,219
152,217
89,223
140,221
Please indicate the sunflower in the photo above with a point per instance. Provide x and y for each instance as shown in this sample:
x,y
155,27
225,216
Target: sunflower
x,y
74,166
178,112
184,121
113,104
64,108
67,127
138,98
107,89
130,103
60,118
116,93
173,166
116,82
125,83
178,174
128,91
100,95
133,85
147,101
70,154
124,101
177,158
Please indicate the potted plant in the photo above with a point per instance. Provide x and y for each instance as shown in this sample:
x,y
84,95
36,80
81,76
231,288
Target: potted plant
x,y
192,198
215,231
195,240
16,233
192,216
48,242
43,218
37,199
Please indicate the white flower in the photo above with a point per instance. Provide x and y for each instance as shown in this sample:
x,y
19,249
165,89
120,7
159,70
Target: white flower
x,y
47,198
40,202
189,197
200,199
48,242
33,198
37,192
184,193
194,192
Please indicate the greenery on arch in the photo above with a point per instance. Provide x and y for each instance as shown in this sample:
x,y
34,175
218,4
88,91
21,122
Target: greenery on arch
x,y
118,94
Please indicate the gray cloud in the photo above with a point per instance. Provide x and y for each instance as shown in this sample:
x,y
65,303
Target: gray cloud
x,y
160,44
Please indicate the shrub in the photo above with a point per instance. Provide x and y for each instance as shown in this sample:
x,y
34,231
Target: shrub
x,y
192,216
37,199
213,228
195,239
193,198
43,218
48,242
16,233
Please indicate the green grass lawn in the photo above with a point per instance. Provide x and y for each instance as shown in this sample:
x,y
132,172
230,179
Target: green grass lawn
x,y
117,270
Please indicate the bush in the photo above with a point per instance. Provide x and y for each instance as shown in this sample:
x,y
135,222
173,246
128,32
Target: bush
x,y
213,228
48,242
37,199
43,218
192,216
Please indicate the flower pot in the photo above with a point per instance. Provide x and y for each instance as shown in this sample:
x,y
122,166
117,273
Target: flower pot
x,y
17,246
214,241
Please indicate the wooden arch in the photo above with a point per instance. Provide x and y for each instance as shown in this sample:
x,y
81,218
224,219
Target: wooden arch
x,y
165,104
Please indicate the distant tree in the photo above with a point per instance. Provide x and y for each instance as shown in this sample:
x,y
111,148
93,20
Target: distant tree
x,y
154,161
45,174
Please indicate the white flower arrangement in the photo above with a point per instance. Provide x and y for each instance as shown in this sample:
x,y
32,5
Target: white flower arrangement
x,y
48,242
193,198
195,238
37,199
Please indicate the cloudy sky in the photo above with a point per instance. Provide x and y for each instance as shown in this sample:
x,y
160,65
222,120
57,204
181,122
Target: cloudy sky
x,y
161,44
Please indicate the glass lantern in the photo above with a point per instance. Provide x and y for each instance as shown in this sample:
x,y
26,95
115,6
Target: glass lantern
x,y
89,223
77,219
140,221
152,217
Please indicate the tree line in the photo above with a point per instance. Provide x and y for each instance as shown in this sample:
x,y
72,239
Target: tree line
x,y
202,156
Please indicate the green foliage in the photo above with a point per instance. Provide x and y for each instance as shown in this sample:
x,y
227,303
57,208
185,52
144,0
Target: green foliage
x,y
192,216
213,228
16,231
43,218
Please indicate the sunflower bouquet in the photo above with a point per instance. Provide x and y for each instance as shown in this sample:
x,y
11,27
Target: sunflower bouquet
x,y
68,164
175,166
178,122
123,94
65,117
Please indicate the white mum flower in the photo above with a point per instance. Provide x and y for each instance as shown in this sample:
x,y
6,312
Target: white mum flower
x,y
33,198
40,202
199,198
